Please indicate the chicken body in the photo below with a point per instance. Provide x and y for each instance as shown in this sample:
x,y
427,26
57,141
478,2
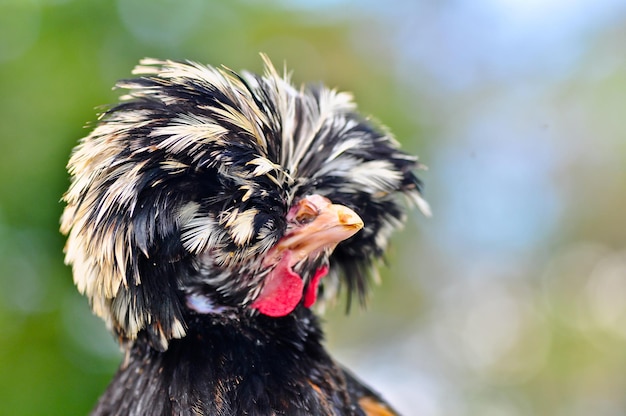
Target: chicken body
x,y
207,212
256,366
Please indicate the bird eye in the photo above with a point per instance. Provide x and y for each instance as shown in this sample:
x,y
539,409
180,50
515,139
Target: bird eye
x,y
306,213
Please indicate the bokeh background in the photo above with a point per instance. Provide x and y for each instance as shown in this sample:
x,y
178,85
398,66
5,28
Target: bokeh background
x,y
510,300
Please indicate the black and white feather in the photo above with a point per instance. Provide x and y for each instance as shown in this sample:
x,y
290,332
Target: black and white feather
x,y
182,188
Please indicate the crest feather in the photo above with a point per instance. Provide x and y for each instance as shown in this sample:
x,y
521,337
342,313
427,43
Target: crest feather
x,y
186,183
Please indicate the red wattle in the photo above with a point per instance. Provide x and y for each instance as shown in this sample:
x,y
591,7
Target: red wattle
x,y
282,290
311,292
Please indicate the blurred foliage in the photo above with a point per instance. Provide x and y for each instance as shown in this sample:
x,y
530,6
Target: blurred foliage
x,y
510,301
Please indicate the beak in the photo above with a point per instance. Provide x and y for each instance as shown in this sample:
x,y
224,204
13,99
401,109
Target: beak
x,y
315,224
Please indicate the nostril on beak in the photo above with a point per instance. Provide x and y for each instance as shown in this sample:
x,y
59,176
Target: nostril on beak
x,y
349,218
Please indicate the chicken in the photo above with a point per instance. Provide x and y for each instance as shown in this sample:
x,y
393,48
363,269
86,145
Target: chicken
x,y
207,212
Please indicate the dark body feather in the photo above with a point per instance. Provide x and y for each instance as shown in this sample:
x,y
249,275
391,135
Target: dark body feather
x,y
257,366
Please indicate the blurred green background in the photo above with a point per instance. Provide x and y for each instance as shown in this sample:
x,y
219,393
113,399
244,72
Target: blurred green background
x,y
511,300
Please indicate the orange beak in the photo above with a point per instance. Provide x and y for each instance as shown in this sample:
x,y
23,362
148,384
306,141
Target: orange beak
x,y
315,225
